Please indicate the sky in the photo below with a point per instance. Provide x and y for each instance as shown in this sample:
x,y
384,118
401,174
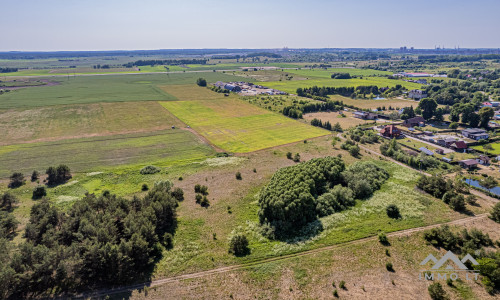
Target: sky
x,y
56,25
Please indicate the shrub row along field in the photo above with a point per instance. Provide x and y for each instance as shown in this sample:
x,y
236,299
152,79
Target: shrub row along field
x,y
109,88
82,120
237,126
85,154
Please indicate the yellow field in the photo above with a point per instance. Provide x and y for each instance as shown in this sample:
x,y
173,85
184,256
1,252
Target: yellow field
x,y
237,126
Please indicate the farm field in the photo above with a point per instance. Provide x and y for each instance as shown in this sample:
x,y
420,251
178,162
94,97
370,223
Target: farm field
x,y
290,86
237,126
59,122
109,88
372,104
328,72
99,153
495,146
333,117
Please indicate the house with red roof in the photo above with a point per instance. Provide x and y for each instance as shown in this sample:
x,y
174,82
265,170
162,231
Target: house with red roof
x,y
459,146
391,131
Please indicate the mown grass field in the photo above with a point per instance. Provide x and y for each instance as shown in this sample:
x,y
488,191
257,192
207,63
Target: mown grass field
x,y
108,88
237,126
328,72
82,120
100,153
495,146
371,104
290,86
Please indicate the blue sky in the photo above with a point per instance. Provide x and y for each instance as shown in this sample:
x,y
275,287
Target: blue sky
x,y
165,24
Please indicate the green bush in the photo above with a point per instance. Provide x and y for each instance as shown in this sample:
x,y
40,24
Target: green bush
x,y
389,267
393,211
16,180
342,284
144,187
198,198
178,194
382,238
147,170
495,213
239,245
238,176
436,292
39,192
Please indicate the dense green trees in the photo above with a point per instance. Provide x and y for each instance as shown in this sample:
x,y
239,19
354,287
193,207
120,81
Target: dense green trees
x,y
428,107
16,180
239,245
296,195
7,201
201,82
58,175
341,76
100,240
485,115
422,161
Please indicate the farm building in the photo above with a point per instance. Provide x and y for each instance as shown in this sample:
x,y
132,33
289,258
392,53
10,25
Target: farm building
x,y
416,121
364,115
475,134
417,94
407,74
468,163
232,88
484,160
426,151
459,146
391,131
446,159
440,151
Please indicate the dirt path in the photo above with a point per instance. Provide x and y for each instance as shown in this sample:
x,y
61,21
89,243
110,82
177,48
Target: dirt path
x,y
273,259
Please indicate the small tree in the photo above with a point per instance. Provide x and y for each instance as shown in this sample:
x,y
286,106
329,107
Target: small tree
x,y
289,155
296,157
16,180
457,203
453,125
35,176
201,82
495,213
389,267
382,238
393,211
437,292
39,192
239,245
144,187
197,188
198,198
238,176
204,202
337,127
8,201
178,194
354,150
471,200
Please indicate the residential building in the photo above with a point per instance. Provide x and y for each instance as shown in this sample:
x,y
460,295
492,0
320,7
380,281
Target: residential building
x,y
487,104
475,134
391,131
468,163
417,94
365,115
416,121
484,160
459,146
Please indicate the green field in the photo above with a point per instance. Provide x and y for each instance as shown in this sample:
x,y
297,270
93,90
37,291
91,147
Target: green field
x,y
237,126
291,86
105,88
328,72
495,146
99,153
59,122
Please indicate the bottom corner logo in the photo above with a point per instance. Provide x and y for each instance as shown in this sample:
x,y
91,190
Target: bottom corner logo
x,y
459,271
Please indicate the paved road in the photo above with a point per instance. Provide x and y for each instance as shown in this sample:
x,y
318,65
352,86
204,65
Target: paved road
x,y
159,282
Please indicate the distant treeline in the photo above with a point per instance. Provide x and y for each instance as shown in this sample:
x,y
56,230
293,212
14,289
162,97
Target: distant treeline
x,y
170,62
320,93
8,70
257,54
457,58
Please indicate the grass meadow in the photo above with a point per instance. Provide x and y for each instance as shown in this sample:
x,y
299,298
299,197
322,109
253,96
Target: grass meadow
x,y
100,153
237,126
108,88
290,86
495,146
59,122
